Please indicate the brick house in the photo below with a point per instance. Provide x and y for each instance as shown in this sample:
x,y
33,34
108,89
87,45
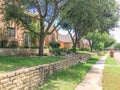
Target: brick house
x,y
13,31
65,41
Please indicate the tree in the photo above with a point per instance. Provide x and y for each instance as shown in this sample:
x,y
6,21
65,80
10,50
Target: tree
x,y
101,15
108,15
93,37
34,27
99,46
108,41
117,46
47,11
99,41
79,20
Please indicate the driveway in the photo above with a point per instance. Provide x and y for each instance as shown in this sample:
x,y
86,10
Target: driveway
x,y
117,57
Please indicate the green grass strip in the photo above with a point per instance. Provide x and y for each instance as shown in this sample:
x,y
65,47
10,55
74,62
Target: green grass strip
x,y
10,63
85,52
111,76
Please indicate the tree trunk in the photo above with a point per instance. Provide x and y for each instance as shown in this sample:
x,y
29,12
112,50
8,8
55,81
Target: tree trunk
x,y
74,47
41,45
42,38
78,44
91,49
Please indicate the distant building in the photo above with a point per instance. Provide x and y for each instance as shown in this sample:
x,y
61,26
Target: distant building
x,y
84,43
65,41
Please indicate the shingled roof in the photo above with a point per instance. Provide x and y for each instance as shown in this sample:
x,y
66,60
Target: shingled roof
x,y
64,38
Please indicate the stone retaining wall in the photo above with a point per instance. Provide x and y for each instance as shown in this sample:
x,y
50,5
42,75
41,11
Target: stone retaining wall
x,y
19,51
30,78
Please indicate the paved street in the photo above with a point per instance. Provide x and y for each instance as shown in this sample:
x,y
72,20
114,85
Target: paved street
x,y
117,57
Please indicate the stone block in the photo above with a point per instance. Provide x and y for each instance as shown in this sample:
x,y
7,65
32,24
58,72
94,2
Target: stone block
x,y
5,80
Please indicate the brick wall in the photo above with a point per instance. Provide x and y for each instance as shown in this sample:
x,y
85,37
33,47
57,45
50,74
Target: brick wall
x,y
30,78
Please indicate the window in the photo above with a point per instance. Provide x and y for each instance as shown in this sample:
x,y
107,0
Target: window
x,y
27,39
53,37
10,32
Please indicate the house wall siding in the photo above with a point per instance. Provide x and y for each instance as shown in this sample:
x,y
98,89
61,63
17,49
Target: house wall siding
x,y
65,44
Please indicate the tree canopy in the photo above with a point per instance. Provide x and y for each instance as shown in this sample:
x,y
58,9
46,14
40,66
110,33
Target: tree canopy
x,y
117,46
98,41
89,15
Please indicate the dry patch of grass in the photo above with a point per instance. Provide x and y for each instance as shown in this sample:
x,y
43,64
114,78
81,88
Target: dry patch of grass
x,y
111,76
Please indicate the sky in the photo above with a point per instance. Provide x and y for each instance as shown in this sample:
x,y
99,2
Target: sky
x,y
116,32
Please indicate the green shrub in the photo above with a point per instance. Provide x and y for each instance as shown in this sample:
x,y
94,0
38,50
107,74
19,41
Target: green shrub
x,y
13,44
54,44
64,49
77,49
55,51
3,43
45,47
117,46
84,49
34,47
69,51
54,48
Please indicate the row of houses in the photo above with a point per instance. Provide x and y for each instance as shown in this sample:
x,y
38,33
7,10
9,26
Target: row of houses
x,y
13,31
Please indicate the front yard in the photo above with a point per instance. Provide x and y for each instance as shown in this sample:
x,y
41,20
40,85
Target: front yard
x,y
10,63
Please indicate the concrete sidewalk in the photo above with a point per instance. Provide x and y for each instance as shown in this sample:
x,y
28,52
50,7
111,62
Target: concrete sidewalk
x,y
93,80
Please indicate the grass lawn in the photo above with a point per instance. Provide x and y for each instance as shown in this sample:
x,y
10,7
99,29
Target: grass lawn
x,y
85,52
68,78
10,63
111,76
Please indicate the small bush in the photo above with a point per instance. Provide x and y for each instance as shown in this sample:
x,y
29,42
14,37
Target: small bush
x,y
77,49
55,48
45,47
84,49
69,51
64,49
57,51
3,43
34,47
54,44
14,44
